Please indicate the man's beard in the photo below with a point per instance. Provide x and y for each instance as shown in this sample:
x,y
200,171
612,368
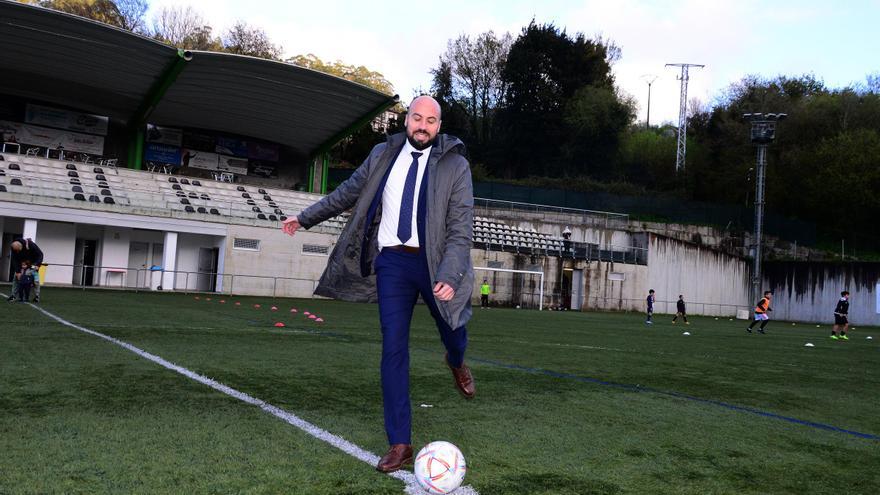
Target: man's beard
x,y
420,146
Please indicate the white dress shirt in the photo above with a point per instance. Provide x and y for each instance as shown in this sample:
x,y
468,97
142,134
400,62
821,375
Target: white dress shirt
x,y
393,195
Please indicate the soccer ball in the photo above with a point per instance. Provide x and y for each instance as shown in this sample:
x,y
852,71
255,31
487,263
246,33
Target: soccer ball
x,y
439,467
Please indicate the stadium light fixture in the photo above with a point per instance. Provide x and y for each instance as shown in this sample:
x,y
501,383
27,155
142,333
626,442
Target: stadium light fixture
x,y
763,132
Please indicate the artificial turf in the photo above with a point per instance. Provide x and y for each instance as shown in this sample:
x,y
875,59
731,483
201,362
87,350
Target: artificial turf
x,y
567,403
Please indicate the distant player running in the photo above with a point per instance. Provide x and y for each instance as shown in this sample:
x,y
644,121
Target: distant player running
x,y
761,310
680,310
841,320
650,301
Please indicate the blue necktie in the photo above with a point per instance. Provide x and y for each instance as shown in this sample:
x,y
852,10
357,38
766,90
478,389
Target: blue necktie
x,y
404,222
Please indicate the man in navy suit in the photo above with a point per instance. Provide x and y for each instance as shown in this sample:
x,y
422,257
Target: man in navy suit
x,y
409,234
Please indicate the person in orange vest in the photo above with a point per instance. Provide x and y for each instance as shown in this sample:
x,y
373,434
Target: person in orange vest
x,y
761,311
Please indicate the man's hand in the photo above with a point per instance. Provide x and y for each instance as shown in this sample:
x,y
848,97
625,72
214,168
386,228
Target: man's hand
x,y
290,226
443,291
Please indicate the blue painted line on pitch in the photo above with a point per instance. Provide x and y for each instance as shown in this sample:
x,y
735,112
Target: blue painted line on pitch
x,y
639,388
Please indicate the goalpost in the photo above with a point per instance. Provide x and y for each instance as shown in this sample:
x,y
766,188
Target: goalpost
x,y
508,287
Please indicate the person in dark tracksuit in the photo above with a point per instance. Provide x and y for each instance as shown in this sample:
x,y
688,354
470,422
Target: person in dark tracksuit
x,y
650,313
680,310
841,317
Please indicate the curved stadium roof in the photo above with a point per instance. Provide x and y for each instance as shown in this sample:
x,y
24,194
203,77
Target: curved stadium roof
x,y
75,62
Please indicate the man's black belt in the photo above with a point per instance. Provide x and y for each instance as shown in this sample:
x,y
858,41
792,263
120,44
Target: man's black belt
x,y
404,248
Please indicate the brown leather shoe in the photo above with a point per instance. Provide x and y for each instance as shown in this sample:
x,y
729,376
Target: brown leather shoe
x,y
397,456
464,380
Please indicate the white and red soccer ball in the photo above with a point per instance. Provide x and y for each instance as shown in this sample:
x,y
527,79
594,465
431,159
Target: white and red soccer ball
x,y
439,467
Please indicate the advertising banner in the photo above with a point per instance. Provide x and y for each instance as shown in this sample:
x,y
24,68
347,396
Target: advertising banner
x,y
231,146
200,159
66,119
51,138
263,151
164,135
233,164
262,169
198,141
162,153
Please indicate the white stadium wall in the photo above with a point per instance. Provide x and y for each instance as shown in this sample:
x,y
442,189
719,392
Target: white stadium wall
x,y
57,241
713,283
808,291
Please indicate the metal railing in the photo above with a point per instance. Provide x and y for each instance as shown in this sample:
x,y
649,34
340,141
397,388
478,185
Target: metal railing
x,y
489,207
576,250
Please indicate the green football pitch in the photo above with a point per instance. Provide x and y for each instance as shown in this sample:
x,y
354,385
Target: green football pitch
x,y
567,403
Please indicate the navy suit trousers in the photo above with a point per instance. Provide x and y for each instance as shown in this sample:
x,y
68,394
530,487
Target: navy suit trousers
x,y
400,278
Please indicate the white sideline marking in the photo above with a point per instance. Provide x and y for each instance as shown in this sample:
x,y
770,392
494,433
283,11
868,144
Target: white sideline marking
x,y
412,486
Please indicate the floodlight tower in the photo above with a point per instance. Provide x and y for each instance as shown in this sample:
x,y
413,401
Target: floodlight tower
x,y
682,114
762,134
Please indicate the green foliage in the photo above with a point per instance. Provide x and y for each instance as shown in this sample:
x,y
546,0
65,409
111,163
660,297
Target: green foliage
x,y
358,74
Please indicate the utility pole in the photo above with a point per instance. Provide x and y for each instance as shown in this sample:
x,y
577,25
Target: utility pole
x,y
681,150
649,78
762,134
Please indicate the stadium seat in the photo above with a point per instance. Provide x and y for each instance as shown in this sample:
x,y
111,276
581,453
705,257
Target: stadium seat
x,y
98,170
205,197
15,182
103,185
273,204
184,181
2,188
70,166
109,201
100,177
93,198
76,189
256,209
193,195
106,192
172,180
251,202
240,189
273,218
184,201
261,191
197,183
201,209
75,182
14,166
267,197
2,173
181,194
176,187
79,197
245,195
72,174
283,218
214,211
261,216
278,211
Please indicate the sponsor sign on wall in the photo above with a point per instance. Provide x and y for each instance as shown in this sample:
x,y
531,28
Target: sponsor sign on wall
x,y
231,146
44,137
263,151
200,159
164,135
233,164
162,153
66,119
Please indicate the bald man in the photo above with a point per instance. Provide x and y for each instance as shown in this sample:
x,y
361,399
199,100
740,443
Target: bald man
x,y
25,250
409,234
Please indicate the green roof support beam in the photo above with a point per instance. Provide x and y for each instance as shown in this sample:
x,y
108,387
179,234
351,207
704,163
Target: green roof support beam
x,y
149,103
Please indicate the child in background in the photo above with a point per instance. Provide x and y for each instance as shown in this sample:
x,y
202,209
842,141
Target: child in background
x,y
25,281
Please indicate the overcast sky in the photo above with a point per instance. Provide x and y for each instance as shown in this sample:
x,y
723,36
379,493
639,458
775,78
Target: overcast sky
x,y
835,41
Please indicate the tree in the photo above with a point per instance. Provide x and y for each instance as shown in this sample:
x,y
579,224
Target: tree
x,y
358,74
184,28
475,67
243,39
454,115
125,14
545,70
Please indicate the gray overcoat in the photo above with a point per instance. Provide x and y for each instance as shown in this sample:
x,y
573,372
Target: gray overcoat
x,y
448,239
